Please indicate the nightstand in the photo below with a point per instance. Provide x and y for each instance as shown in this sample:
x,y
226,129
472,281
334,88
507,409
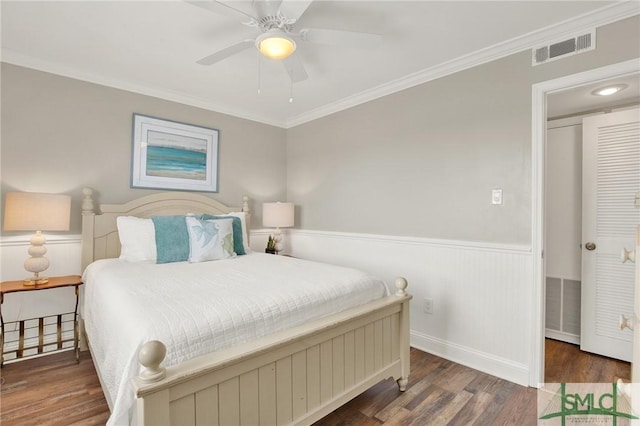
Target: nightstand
x,y
25,333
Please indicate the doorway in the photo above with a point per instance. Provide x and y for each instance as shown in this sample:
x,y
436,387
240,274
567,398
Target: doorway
x,y
539,109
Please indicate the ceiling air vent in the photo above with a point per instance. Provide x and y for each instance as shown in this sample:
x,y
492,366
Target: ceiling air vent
x,y
564,48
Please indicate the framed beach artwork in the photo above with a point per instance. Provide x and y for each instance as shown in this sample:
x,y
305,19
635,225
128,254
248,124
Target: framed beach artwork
x,y
171,155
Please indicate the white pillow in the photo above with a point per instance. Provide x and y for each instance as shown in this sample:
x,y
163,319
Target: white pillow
x,y
245,231
138,239
210,239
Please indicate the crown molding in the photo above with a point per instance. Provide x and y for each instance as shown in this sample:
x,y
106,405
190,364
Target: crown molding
x,y
552,33
596,18
12,57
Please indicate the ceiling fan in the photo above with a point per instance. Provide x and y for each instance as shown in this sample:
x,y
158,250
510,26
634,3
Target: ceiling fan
x,y
278,38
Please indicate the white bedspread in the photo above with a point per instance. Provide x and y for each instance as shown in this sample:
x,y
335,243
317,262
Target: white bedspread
x,y
202,307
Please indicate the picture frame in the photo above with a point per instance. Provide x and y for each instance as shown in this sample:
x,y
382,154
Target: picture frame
x,y
172,155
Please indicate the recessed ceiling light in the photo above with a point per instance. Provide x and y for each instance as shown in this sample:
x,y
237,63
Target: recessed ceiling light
x,y
609,90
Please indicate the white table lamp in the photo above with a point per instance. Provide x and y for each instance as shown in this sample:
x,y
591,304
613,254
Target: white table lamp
x,y
31,211
277,215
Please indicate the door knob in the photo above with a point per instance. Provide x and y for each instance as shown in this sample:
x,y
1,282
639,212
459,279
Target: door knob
x,y
629,255
590,246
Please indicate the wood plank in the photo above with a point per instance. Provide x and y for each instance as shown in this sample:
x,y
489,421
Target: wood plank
x,y
229,406
474,406
284,393
267,403
44,390
452,409
456,378
183,411
566,363
398,404
349,359
387,341
326,370
359,354
338,365
207,407
434,403
395,336
369,348
313,377
299,383
155,409
249,399
378,345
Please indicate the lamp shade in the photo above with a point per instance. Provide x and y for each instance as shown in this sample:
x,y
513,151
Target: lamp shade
x,y
32,211
278,215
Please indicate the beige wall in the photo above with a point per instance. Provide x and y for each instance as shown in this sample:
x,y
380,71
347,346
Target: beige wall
x,y
60,134
422,162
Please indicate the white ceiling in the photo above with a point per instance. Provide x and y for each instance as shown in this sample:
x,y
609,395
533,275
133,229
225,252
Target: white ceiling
x,y
151,47
582,100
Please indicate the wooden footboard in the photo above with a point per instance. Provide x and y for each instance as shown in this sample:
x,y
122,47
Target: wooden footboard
x,y
293,377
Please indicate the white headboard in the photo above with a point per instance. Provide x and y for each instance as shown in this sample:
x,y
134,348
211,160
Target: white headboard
x,y
99,230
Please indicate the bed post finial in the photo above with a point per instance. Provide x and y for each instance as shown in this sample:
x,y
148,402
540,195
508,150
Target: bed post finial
x,y
245,204
87,201
150,356
401,286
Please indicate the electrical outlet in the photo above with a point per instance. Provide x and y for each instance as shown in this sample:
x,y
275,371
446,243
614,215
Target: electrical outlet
x,y
427,306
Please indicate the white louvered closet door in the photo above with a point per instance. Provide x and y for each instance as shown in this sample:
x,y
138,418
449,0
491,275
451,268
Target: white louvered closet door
x,y
611,182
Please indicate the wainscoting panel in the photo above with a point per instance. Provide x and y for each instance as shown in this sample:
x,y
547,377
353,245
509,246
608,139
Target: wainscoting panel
x,y
63,252
481,292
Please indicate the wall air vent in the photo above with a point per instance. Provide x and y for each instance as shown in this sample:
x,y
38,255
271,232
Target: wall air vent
x,y
564,48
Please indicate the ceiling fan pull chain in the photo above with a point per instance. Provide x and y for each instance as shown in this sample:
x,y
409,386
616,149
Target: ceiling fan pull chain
x,y
291,92
259,74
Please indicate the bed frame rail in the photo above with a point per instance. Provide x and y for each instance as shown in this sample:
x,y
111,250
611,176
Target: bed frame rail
x,y
287,378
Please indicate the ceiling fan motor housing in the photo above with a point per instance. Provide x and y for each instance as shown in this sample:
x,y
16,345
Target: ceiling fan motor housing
x,y
275,41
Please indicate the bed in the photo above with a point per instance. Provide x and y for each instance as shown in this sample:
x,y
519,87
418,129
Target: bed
x,y
158,362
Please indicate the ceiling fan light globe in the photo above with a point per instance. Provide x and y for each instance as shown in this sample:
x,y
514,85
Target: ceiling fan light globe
x,y
276,46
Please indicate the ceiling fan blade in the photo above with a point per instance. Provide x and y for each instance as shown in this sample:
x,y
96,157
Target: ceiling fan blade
x,y
340,37
220,8
293,9
226,52
295,68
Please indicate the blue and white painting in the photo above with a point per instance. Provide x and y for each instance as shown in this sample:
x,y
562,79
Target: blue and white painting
x,y
176,156
171,155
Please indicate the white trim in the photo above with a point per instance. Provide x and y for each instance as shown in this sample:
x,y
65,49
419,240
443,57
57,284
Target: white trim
x,y
585,22
562,336
12,57
465,280
539,94
265,231
491,364
475,245
25,240
567,28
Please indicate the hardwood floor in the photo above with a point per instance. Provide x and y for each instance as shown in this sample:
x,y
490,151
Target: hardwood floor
x,y
567,363
54,390
440,392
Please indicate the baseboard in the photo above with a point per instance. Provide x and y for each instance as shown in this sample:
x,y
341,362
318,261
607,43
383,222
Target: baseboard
x,y
563,337
469,357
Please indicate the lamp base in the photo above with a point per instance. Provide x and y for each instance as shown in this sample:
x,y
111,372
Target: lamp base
x,y
35,281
